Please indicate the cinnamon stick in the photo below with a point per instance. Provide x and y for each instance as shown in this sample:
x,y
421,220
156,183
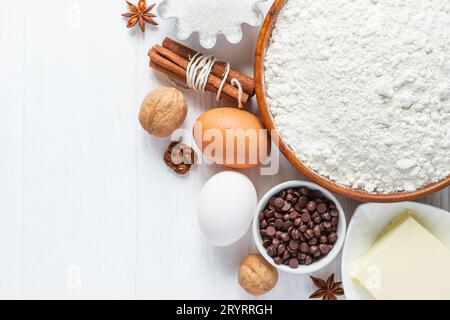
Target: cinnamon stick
x,y
174,70
213,80
247,83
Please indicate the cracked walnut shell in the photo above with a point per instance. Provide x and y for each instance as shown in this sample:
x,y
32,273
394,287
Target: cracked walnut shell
x,y
179,157
256,275
163,111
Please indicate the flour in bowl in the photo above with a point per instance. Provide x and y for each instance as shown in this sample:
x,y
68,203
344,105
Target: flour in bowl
x,y
360,90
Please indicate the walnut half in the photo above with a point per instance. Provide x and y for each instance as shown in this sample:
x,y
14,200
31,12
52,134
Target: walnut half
x,y
256,275
163,111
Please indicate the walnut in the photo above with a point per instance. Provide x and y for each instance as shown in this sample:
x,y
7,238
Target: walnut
x,y
257,276
163,111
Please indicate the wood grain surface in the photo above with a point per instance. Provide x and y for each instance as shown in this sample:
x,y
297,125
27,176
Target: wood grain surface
x,y
88,208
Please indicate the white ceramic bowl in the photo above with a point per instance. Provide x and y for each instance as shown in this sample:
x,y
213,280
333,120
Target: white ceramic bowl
x,y
369,221
316,265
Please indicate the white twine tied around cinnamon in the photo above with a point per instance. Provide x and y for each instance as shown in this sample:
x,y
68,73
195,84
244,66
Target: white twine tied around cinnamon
x,y
199,70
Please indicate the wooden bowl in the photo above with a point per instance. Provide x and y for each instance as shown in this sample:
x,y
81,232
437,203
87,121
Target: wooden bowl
x,y
262,45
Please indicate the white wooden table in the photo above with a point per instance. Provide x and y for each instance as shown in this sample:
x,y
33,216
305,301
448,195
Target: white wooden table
x,y
88,209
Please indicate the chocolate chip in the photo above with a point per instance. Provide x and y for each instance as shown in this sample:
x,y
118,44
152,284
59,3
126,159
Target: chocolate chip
x,y
304,248
322,208
293,215
308,260
276,243
334,213
271,231
302,256
311,206
267,243
334,222
317,231
287,206
303,201
313,249
326,216
293,245
287,225
290,197
262,216
298,222
279,203
281,249
305,191
285,237
278,215
293,263
309,234
306,217
327,225
295,234
279,223
323,239
263,224
333,237
278,260
271,251
324,249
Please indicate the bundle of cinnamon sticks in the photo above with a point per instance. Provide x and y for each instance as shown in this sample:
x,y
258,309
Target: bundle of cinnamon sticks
x,y
173,58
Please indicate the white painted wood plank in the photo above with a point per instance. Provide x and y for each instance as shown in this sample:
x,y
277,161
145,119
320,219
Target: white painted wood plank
x,y
11,97
89,209
78,144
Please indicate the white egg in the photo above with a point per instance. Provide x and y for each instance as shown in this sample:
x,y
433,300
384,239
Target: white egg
x,y
226,207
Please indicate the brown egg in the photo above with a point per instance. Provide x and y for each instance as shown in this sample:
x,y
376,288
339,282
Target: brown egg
x,y
232,138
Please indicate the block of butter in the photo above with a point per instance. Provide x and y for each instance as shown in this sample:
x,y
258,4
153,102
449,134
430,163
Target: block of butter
x,y
406,263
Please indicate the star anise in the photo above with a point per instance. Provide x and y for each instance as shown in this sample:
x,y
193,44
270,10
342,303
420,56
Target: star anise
x,y
328,290
141,14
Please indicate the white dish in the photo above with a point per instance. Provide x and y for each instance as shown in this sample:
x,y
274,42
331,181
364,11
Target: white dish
x,y
316,266
369,221
208,37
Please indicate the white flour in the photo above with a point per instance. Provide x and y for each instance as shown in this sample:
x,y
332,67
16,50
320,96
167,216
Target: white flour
x,y
361,89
